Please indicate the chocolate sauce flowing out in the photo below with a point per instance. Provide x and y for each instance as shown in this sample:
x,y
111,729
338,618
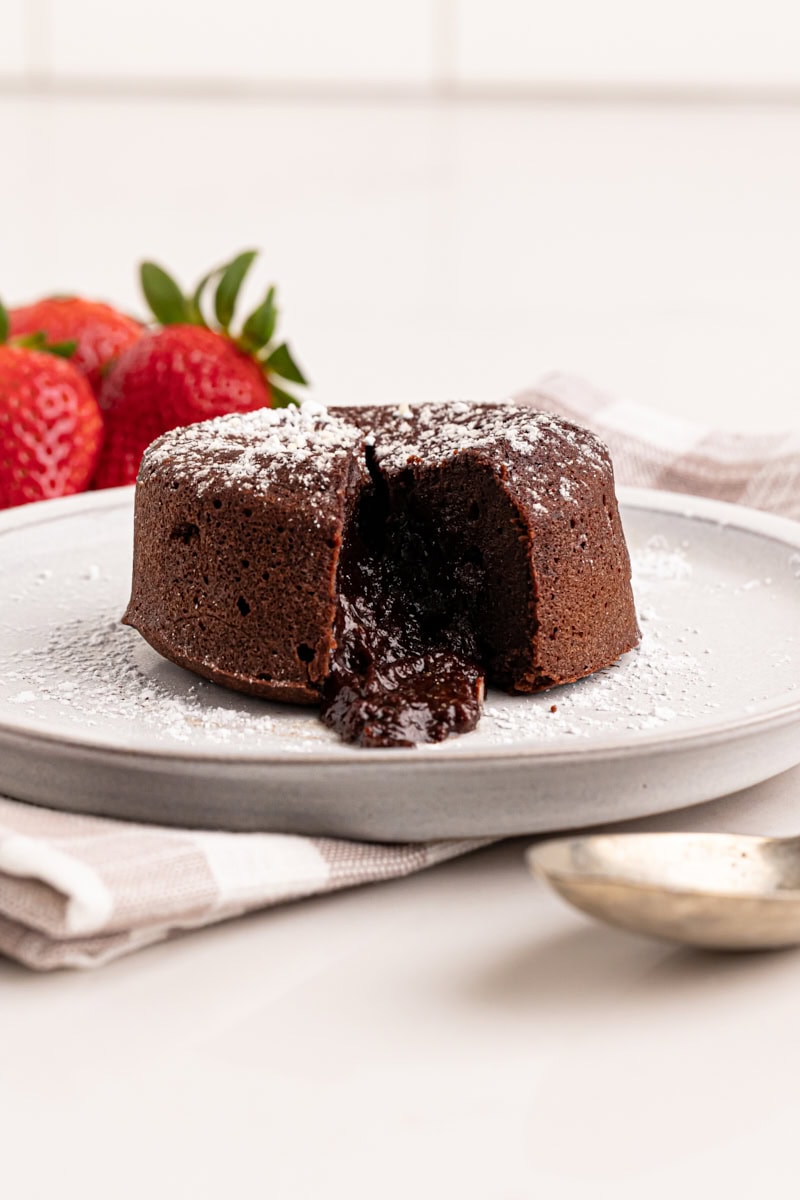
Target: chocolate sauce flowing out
x,y
406,666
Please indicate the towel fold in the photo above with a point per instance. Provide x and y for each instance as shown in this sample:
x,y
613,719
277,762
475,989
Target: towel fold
x,y
78,891
651,449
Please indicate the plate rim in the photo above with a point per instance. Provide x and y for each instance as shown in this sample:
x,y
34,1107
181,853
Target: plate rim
x,y
721,513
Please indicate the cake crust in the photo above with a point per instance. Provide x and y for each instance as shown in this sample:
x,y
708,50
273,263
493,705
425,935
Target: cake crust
x,y
237,531
496,526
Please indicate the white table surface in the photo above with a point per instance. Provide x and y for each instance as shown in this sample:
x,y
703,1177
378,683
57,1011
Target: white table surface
x,y
460,1032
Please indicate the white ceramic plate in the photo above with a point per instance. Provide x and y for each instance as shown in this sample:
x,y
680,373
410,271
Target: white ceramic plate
x,y
91,719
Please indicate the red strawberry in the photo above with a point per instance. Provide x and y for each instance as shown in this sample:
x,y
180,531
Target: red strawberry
x,y
100,332
187,371
50,425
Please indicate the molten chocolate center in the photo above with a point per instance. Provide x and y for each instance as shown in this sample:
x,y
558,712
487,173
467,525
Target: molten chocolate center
x,y
406,666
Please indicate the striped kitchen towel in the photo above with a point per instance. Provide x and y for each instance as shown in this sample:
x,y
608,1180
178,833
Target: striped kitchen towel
x,y
651,449
78,891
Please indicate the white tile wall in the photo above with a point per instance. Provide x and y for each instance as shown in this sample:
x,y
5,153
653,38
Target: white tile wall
x,y
249,40
13,38
484,43
709,42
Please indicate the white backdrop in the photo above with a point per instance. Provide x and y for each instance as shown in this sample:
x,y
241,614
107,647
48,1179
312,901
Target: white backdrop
x,y
416,44
428,249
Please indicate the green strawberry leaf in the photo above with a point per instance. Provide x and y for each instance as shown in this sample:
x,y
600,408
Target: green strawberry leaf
x,y
228,287
166,300
5,324
61,349
280,398
280,362
38,341
260,325
195,305
32,341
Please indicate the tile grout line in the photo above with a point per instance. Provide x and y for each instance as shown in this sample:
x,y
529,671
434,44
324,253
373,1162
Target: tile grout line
x,y
38,42
40,82
444,46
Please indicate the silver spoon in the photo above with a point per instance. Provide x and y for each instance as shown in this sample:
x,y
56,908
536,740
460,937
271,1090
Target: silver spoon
x,y
718,890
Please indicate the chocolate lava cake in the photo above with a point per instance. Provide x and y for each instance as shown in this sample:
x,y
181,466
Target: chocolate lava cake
x,y
384,564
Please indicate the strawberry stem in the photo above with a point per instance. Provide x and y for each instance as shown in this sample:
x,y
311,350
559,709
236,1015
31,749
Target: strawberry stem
x,y
170,307
228,287
166,300
280,398
260,325
196,302
280,362
61,349
33,341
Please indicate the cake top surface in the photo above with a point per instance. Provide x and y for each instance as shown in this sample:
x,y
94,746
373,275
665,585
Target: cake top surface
x,y
256,449
536,451
436,431
544,460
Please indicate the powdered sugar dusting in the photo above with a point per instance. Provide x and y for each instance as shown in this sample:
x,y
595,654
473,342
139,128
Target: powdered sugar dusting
x,y
435,432
251,449
69,669
98,671
95,671
540,453
667,679
657,561
91,672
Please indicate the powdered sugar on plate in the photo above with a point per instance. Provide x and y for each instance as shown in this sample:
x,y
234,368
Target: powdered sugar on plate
x,y
93,671
666,679
68,666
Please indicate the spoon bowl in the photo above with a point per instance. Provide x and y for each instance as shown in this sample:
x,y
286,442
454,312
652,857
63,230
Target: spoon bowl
x,y
719,891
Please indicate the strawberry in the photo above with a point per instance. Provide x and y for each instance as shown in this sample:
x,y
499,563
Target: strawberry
x,y
100,332
51,428
189,370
